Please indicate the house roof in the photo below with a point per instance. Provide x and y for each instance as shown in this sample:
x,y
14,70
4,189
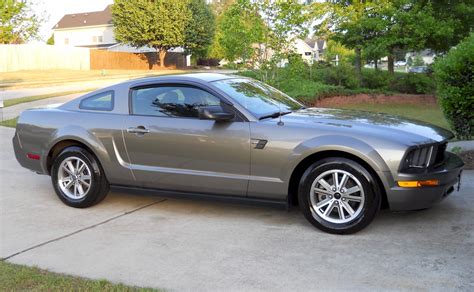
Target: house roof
x,y
310,42
321,43
103,17
315,44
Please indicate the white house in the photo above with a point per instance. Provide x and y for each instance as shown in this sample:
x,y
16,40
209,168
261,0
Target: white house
x,y
90,29
93,30
310,50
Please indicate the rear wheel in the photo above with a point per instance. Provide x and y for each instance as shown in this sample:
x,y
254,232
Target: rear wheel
x,y
338,195
78,178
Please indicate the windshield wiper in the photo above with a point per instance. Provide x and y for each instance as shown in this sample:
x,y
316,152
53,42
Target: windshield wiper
x,y
274,115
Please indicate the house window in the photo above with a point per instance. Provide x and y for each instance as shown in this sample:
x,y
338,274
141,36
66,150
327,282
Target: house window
x,y
307,53
97,39
66,41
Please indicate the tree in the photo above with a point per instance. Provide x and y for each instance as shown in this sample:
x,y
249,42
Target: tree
x,y
457,17
159,24
199,31
239,28
406,26
345,22
283,23
18,23
383,28
50,41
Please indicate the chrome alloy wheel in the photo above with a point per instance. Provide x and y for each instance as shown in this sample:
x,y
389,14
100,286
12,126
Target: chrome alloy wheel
x,y
337,196
74,178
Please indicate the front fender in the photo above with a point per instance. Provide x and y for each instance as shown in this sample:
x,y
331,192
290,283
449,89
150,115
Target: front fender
x,y
349,145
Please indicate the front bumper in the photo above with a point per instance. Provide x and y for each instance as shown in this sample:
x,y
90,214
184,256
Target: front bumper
x,y
448,174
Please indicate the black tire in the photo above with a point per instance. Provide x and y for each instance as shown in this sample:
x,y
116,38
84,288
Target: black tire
x,y
99,186
366,210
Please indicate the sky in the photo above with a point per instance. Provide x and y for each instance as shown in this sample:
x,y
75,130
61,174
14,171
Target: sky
x,y
54,10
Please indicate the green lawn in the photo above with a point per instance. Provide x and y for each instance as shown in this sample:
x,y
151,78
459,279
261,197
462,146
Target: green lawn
x,y
9,123
427,113
14,101
21,278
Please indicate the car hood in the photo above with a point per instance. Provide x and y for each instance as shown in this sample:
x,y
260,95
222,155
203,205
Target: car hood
x,y
388,126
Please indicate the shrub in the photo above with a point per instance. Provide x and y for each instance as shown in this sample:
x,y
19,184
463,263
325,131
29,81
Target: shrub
x,y
412,83
342,75
307,90
454,74
375,79
208,62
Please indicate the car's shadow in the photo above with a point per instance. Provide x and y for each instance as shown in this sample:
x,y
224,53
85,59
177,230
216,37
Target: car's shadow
x,y
450,215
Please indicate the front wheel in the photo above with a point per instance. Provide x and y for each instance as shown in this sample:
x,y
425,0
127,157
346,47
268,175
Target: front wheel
x,y
78,178
338,195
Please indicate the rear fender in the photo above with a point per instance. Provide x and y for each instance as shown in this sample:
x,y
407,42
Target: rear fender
x,y
83,136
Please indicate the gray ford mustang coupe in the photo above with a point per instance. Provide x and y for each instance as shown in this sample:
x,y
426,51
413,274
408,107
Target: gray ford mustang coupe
x,y
228,137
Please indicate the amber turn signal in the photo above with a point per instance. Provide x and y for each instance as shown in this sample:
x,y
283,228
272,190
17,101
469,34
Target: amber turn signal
x,y
418,183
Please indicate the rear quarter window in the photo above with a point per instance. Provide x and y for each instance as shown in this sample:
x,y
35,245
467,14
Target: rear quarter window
x,y
103,101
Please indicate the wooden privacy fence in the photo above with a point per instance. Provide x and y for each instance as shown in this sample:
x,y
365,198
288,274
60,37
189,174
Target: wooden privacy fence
x,y
133,61
43,57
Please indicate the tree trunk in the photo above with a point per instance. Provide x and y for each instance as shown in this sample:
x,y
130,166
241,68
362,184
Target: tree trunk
x,y
162,53
358,67
376,64
390,64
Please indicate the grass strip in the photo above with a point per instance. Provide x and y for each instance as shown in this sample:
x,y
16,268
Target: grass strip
x,y
9,123
22,278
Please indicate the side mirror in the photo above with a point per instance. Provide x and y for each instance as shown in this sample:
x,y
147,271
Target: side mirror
x,y
215,113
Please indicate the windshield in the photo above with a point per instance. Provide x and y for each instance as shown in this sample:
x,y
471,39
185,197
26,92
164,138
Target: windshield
x,y
258,98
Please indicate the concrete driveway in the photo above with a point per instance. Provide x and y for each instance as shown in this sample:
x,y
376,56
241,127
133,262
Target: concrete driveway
x,y
195,245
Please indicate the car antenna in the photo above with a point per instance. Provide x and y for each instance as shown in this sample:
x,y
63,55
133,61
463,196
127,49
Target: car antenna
x,y
280,123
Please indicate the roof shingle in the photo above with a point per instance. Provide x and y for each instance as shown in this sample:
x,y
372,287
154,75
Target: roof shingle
x,y
86,19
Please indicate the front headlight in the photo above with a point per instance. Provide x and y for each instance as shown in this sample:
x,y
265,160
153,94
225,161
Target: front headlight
x,y
419,157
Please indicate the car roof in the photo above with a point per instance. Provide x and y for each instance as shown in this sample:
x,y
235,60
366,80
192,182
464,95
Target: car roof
x,y
196,77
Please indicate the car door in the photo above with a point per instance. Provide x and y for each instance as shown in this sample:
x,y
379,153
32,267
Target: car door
x,y
170,148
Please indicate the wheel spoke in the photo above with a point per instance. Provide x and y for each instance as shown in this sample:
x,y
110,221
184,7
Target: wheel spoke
x,y
85,177
321,191
324,203
68,185
348,208
84,183
81,168
67,170
71,167
353,198
329,209
335,180
340,211
79,188
352,190
343,181
325,184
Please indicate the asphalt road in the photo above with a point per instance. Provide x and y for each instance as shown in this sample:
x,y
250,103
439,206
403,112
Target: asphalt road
x,y
206,246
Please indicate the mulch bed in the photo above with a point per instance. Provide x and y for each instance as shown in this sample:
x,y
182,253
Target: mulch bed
x,y
468,158
417,99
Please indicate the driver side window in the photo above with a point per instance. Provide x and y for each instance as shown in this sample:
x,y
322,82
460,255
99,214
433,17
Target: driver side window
x,y
171,101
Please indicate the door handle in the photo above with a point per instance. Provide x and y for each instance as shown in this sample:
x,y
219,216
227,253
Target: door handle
x,y
138,130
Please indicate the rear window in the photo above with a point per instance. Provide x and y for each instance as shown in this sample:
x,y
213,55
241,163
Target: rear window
x,y
103,101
